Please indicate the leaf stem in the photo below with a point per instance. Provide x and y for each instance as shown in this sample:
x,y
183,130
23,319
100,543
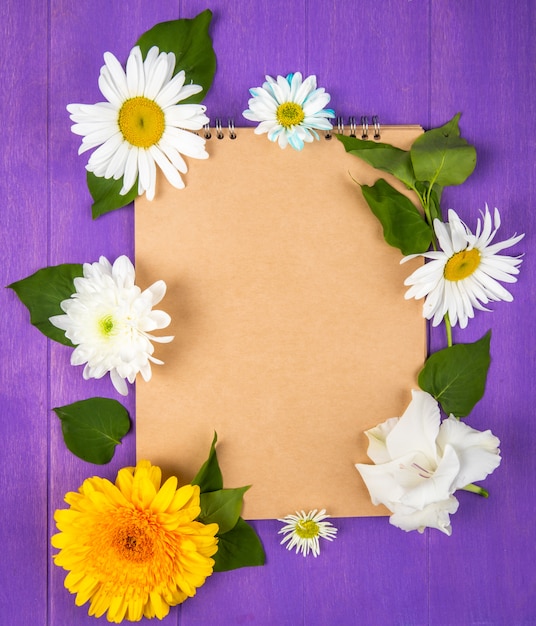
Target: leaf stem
x,y
448,329
476,489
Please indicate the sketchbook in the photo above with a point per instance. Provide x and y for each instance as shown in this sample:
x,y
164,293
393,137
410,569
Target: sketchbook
x,y
292,335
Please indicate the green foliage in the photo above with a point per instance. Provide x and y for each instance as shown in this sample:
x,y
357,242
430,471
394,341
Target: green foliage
x,y
437,158
456,376
239,545
382,156
440,156
403,225
209,477
106,196
42,294
93,428
190,41
222,507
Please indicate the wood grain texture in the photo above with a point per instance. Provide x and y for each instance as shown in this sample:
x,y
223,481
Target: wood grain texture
x,y
413,61
482,69
23,374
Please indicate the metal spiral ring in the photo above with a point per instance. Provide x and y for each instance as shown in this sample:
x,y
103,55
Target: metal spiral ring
x,y
377,128
352,124
364,126
219,132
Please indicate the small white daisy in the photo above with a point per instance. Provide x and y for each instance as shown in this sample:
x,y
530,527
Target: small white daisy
x,y
303,531
464,274
289,110
141,125
109,319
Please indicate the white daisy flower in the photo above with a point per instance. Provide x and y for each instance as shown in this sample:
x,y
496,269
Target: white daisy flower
x,y
289,110
109,320
464,275
303,531
141,125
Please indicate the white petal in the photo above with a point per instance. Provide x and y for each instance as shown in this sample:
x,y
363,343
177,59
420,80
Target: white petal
x,y
417,428
170,172
377,449
478,451
435,515
119,383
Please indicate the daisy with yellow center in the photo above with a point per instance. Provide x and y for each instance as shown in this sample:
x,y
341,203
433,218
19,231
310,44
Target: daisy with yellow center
x,y
289,110
464,275
133,549
142,125
304,530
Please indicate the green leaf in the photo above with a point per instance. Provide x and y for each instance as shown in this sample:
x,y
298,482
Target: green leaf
x,y
239,547
456,376
106,196
403,225
434,201
92,428
440,156
209,477
222,507
190,41
382,156
42,294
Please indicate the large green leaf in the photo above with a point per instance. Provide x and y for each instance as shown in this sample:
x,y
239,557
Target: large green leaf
x,y
190,41
42,294
442,157
209,477
239,547
106,196
382,156
93,428
222,507
403,225
456,376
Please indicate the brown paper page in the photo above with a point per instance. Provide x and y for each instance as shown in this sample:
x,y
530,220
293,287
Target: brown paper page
x,y
292,335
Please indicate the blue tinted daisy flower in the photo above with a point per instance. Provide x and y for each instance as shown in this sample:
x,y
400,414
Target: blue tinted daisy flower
x,y
290,110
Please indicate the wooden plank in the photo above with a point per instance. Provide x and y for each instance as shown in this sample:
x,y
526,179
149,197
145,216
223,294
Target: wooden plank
x,y
80,34
23,375
373,59
481,65
252,39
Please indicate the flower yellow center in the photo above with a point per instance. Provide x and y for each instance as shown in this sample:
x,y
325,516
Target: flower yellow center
x,y
141,121
133,538
289,114
307,529
106,325
462,264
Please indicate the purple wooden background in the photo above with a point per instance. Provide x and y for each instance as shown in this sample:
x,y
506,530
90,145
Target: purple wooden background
x,y
407,61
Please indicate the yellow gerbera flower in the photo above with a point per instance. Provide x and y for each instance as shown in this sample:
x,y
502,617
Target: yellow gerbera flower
x,y
133,549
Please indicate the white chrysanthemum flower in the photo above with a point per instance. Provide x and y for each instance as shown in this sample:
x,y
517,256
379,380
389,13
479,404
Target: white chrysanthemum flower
x,y
290,110
109,320
141,125
304,530
464,275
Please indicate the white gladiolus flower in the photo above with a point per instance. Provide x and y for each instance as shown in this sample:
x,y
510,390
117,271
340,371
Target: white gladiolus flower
x,y
109,320
464,275
141,125
421,461
289,110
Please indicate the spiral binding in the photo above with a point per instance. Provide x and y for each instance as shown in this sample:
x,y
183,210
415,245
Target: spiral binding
x,y
352,127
